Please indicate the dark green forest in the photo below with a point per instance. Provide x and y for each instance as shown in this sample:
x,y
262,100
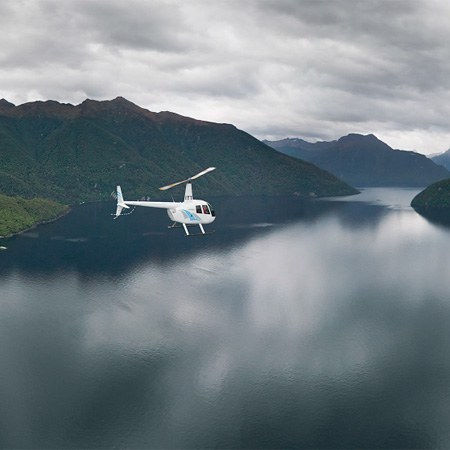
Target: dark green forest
x,y
70,154
80,153
18,214
435,196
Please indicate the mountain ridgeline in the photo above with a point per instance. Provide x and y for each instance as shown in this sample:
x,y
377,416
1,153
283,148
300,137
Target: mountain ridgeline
x,y
365,161
443,159
79,153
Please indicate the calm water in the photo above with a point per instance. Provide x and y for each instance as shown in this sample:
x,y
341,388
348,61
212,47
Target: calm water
x,y
294,325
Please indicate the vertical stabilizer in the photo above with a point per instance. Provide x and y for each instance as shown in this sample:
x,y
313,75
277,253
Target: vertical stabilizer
x,y
120,202
120,196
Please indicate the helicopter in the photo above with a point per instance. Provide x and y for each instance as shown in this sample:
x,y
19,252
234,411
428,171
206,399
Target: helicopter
x,y
187,213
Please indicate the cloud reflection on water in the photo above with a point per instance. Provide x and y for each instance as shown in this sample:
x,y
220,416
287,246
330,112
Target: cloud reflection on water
x,y
331,331
314,311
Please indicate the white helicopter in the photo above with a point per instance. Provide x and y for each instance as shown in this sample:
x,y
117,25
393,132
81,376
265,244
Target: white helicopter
x,y
187,212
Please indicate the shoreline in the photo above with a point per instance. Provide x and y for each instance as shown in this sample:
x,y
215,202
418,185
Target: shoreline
x,y
37,224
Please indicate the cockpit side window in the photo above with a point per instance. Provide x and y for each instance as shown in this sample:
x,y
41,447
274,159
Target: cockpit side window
x,y
198,208
213,213
206,209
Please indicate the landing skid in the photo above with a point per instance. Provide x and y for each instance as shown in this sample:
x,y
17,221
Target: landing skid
x,y
174,225
186,231
200,234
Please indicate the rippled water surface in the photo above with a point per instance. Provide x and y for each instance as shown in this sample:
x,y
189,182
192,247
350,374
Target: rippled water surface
x,y
295,325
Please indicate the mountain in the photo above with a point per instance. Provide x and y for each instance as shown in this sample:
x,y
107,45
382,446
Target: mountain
x,y
433,203
365,161
443,159
436,196
78,153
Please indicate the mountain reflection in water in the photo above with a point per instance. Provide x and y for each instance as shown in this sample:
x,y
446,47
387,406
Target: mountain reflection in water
x,y
296,325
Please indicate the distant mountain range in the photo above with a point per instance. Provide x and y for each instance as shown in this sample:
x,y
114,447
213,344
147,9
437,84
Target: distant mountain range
x,y
365,161
77,153
443,159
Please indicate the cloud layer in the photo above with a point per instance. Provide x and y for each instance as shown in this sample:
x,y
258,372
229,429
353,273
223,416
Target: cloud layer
x,y
310,68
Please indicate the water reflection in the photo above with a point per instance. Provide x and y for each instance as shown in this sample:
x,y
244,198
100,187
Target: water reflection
x,y
89,241
329,329
439,217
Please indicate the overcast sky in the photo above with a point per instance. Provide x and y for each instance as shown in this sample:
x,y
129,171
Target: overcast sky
x,y
316,69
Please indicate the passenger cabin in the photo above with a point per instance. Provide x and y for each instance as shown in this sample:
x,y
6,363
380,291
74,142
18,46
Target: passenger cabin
x,y
205,209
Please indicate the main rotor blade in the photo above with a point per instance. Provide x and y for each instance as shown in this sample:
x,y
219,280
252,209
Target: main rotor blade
x,y
164,188
209,169
203,172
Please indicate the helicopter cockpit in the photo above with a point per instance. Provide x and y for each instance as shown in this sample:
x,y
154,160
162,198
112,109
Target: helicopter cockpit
x,y
205,209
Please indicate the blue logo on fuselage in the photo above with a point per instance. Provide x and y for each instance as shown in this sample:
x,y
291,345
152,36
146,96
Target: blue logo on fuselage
x,y
190,216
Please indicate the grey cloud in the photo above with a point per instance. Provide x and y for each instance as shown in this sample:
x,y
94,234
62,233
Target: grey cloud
x,y
297,67
407,37
136,24
34,34
68,33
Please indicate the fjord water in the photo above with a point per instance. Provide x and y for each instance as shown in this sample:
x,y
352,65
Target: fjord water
x,y
322,324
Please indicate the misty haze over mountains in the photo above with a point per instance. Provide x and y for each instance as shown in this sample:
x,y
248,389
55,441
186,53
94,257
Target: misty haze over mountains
x,y
364,160
442,159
